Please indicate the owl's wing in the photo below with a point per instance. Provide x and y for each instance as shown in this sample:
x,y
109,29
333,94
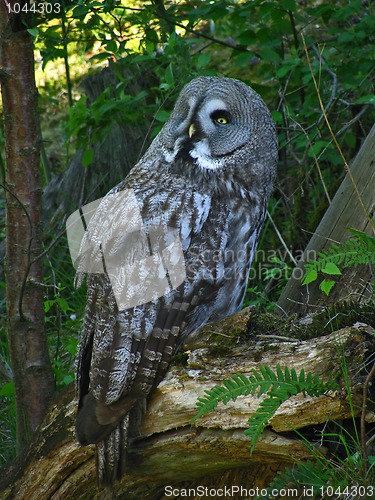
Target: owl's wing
x,y
144,367
124,353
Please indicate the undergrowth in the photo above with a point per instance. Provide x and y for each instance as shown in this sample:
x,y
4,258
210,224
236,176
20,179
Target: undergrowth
x,y
357,250
349,473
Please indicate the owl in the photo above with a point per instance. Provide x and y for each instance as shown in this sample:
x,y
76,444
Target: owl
x,y
168,250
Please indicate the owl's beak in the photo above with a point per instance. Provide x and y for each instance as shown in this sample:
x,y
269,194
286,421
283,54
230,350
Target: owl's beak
x,y
192,129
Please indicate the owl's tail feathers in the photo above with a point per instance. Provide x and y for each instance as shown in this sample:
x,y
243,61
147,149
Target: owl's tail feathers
x,y
111,454
90,428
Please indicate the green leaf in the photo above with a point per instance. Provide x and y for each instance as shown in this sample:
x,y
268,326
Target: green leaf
x,y
358,233
259,420
7,389
80,11
141,58
151,37
310,276
326,286
247,37
87,157
162,115
270,55
288,4
284,70
99,57
111,46
317,147
366,99
34,32
68,379
346,37
244,58
203,60
72,347
277,117
169,78
331,268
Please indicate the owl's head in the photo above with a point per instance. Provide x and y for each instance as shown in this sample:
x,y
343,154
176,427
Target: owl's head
x,y
220,123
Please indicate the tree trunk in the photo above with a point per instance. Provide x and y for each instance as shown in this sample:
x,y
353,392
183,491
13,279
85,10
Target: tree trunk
x,y
213,452
32,371
350,208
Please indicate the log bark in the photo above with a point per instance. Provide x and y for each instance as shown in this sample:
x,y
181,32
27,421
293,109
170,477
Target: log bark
x,y
168,450
352,207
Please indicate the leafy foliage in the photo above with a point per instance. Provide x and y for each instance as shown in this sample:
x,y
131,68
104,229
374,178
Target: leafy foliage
x,y
357,250
167,44
278,387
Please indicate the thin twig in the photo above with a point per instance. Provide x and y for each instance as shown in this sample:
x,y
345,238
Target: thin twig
x,y
51,245
334,137
315,160
353,120
332,99
282,239
23,284
30,261
212,39
282,338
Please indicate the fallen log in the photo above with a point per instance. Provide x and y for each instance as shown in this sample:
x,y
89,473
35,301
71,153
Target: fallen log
x,y
170,452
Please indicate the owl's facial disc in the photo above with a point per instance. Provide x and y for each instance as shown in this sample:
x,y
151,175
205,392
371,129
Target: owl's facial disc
x,y
192,142
201,152
208,127
207,122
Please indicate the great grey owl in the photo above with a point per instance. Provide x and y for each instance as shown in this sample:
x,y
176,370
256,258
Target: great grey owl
x,y
202,187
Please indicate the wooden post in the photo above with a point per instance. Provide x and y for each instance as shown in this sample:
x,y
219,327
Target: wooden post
x,y
345,211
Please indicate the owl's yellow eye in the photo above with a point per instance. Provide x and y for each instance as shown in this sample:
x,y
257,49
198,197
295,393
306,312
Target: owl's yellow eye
x,y
222,120
221,117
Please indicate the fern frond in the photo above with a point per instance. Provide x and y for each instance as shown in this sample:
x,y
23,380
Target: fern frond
x,y
259,420
237,385
359,249
280,384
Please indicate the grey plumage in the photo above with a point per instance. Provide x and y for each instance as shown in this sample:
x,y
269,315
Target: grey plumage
x,y
208,174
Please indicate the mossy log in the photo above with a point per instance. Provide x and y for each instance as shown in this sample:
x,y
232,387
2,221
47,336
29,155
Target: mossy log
x,y
169,450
